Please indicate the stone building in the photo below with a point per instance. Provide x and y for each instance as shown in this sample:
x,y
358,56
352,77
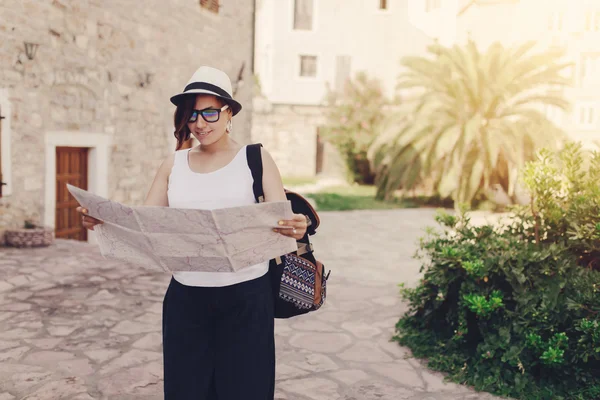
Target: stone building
x,y
304,46
84,95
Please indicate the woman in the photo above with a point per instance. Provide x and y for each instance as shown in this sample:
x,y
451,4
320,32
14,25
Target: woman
x,y
218,338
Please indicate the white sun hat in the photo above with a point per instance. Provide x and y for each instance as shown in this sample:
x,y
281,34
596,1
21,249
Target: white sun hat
x,y
208,80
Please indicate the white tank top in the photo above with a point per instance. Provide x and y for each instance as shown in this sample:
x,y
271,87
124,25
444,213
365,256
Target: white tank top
x,y
230,186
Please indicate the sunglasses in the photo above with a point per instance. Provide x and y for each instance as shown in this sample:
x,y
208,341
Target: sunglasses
x,y
208,114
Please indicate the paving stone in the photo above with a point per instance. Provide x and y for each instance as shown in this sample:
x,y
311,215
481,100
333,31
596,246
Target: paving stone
x,y
61,330
102,355
41,275
131,358
365,352
41,286
400,371
132,328
13,354
321,342
18,333
30,325
8,370
23,381
7,344
151,341
20,295
361,330
139,381
378,390
315,362
31,316
102,295
45,344
6,315
350,376
312,388
388,323
80,367
282,328
313,326
285,372
150,318
48,358
393,349
280,396
15,307
332,316
82,396
59,389
5,286
434,382
388,301
354,306
155,308
50,292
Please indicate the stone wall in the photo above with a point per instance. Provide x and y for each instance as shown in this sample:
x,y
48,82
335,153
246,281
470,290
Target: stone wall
x,y
109,67
289,133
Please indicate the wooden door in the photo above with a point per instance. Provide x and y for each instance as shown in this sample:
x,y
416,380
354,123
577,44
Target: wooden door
x,y
71,167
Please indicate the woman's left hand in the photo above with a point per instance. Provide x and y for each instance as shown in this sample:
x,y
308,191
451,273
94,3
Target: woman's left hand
x,y
294,228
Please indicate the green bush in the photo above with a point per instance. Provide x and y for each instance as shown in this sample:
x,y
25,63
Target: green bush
x,y
514,309
353,119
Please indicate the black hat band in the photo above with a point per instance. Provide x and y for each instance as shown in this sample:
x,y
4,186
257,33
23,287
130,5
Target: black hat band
x,y
207,86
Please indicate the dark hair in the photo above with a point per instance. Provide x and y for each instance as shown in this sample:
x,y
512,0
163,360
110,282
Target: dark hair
x,y
183,112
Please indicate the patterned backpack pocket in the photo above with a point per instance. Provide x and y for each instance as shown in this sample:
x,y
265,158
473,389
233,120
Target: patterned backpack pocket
x,y
302,283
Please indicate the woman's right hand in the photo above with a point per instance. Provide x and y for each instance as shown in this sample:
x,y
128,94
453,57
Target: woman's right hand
x,y
87,221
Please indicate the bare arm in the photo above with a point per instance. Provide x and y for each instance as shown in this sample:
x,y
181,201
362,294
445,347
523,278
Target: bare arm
x,y
157,195
272,185
273,189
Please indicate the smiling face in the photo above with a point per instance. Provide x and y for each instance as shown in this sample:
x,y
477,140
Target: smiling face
x,y
208,107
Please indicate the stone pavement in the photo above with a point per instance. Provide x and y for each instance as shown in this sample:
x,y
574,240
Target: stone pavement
x,y
74,326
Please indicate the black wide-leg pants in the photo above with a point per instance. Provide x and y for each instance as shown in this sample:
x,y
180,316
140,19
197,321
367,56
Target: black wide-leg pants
x,y
218,342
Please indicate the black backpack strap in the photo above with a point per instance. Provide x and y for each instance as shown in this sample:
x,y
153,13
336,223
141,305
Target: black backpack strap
x,y
253,154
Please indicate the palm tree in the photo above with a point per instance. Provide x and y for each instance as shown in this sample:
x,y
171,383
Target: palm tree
x,y
475,120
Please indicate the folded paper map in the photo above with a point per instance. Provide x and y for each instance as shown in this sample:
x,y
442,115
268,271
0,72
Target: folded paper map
x,y
178,239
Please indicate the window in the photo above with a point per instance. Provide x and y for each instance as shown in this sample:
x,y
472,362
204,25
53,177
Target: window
x,y
383,4
555,21
431,5
592,21
308,66
589,67
303,15
587,116
554,114
210,5
342,72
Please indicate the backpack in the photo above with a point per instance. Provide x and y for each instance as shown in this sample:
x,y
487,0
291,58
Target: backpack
x,y
298,279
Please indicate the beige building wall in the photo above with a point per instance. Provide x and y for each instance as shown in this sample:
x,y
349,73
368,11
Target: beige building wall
x,y
345,36
101,78
289,133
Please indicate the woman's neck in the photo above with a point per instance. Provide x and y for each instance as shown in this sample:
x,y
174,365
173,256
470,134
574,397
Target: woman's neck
x,y
223,144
